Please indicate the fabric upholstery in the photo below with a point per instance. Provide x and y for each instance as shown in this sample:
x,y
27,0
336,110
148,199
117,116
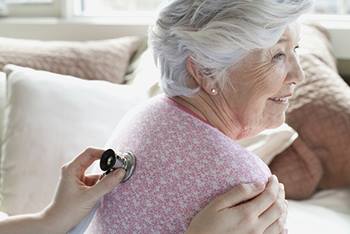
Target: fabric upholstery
x,y
91,60
320,113
50,119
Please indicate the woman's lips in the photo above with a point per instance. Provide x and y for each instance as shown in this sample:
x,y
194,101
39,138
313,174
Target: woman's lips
x,y
282,99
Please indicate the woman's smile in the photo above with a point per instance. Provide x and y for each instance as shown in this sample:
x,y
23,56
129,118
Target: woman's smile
x,y
281,99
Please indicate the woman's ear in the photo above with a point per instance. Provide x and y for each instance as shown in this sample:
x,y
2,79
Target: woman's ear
x,y
201,80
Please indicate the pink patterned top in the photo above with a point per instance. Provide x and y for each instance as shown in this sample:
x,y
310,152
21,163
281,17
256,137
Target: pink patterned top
x,y
182,164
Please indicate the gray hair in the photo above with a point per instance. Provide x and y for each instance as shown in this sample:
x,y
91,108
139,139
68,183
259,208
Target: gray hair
x,y
216,34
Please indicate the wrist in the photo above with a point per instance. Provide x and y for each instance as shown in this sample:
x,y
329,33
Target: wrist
x,y
51,220
44,222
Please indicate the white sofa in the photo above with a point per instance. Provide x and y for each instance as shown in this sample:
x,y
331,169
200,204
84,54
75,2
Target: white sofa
x,y
328,212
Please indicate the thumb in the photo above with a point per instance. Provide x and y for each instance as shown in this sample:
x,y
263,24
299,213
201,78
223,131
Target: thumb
x,y
107,183
238,195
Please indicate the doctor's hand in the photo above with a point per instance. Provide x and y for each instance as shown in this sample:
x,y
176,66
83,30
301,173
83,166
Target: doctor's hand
x,y
246,208
78,193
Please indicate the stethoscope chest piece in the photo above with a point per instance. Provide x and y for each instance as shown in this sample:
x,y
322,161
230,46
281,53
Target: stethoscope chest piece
x,y
111,161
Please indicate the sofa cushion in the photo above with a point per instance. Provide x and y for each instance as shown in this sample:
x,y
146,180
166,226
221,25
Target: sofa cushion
x,y
320,112
50,119
92,60
316,41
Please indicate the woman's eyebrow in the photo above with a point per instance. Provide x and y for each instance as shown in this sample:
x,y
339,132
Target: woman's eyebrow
x,y
282,40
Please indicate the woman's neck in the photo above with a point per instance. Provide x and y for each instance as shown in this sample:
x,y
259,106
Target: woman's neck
x,y
211,110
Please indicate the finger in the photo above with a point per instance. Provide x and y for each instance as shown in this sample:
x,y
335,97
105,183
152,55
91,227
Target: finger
x,y
266,198
276,228
91,180
285,202
237,195
85,159
107,183
275,212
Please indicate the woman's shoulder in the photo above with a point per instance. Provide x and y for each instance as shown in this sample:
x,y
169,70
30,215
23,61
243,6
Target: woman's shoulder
x,y
157,104
160,110
153,118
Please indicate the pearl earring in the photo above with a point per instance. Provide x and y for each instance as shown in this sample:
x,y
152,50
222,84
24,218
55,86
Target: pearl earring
x,y
214,91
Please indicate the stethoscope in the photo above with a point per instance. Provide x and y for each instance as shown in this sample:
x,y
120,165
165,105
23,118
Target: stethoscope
x,y
109,162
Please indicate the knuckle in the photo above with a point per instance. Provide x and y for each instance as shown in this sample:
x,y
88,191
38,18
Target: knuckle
x,y
65,169
280,224
271,195
248,218
108,184
282,194
280,207
276,178
88,150
246,211
243,189
282,202
220,201
281,186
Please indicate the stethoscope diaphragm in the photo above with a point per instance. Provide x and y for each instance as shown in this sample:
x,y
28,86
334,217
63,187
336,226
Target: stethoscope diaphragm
x,y
111,161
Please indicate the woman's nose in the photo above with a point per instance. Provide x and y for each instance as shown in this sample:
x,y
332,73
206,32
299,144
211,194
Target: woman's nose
x,y
296,74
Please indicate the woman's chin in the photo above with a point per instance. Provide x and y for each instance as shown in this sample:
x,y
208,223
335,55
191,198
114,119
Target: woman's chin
x,y
275,121
278,123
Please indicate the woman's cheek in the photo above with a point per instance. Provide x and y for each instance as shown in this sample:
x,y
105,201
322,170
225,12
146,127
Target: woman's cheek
x,y
276,79
281,73
281,67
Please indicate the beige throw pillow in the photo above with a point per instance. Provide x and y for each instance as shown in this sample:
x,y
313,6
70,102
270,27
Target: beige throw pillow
x,y
49,119
270,142
91,60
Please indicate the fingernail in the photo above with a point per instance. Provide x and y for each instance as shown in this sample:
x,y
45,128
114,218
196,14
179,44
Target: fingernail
x,y
119,172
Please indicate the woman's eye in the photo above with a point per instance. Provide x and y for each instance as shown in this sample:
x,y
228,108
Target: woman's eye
x,y
279,56
296,48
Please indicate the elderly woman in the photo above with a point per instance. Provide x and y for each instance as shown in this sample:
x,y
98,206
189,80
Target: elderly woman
x,y
227,68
